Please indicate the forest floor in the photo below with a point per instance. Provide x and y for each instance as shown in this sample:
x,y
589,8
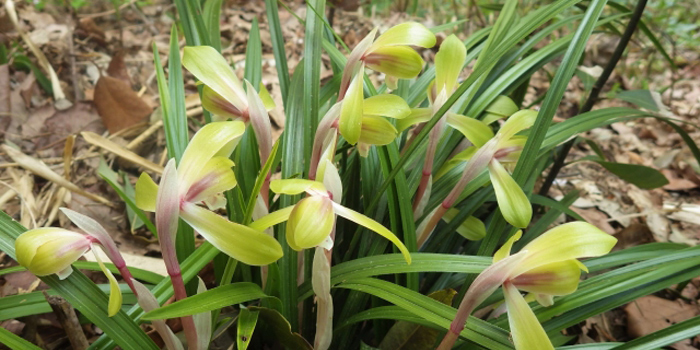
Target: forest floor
x,y
104,67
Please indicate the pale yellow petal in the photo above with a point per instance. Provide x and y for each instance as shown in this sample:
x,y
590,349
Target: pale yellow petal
x,y
526,330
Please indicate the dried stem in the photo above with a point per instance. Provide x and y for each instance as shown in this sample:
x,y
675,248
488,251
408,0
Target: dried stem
x,y
68,320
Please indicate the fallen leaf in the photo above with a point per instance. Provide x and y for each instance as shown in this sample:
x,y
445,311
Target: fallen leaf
x,y
87,29
596,218
649,314
633,235
118,105
117,68
676,183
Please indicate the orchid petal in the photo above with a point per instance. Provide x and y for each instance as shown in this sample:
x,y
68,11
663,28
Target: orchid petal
x,y
472,228
332,182
524,326
350,123
572,240
353,64
503,106
272,219
260,122
448,63
504,251
392,82
328,154
418,115
460,157
202,322
295,186
399,61
266,98
363,149
512,147
559,278
168,203
474,130
148,302
207,64
115,294
310,222
545,300
321,284
377,131
49,250
216,177
240,242
518,122
146,192
514,205
408,33
93,229
386,105
488,281
65,273
374,226
218,105
213,139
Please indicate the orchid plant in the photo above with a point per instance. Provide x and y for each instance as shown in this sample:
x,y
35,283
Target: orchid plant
x,y
382,158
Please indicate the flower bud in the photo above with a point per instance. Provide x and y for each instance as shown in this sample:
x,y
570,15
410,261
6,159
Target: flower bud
x,y
45,251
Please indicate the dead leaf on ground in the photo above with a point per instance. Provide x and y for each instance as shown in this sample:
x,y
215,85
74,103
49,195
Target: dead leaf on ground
x,y
649,314
117,67
595,217
633,235
676,183
118,105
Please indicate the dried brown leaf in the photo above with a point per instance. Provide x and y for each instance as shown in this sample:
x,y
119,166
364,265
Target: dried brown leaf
x,y
118,105
117,68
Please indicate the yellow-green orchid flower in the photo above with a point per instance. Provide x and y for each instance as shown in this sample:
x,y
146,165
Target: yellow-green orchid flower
x,y
390,54
312,219
490,152
50,250
203,174
546,267
223,95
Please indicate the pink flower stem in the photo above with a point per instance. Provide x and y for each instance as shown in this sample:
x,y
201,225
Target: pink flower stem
x,y
474,167
428,163
173,267
113,254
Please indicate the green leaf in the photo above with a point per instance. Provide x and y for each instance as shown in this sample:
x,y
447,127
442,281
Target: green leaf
x,y
15,342
387,264
278,50
247,320
313,37
431,310
293,165
212,299
212,15
253,55
282,329
111,178
406,335
639,175
640,98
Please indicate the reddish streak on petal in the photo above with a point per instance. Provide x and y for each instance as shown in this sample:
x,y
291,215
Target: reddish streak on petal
x,y
504,152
